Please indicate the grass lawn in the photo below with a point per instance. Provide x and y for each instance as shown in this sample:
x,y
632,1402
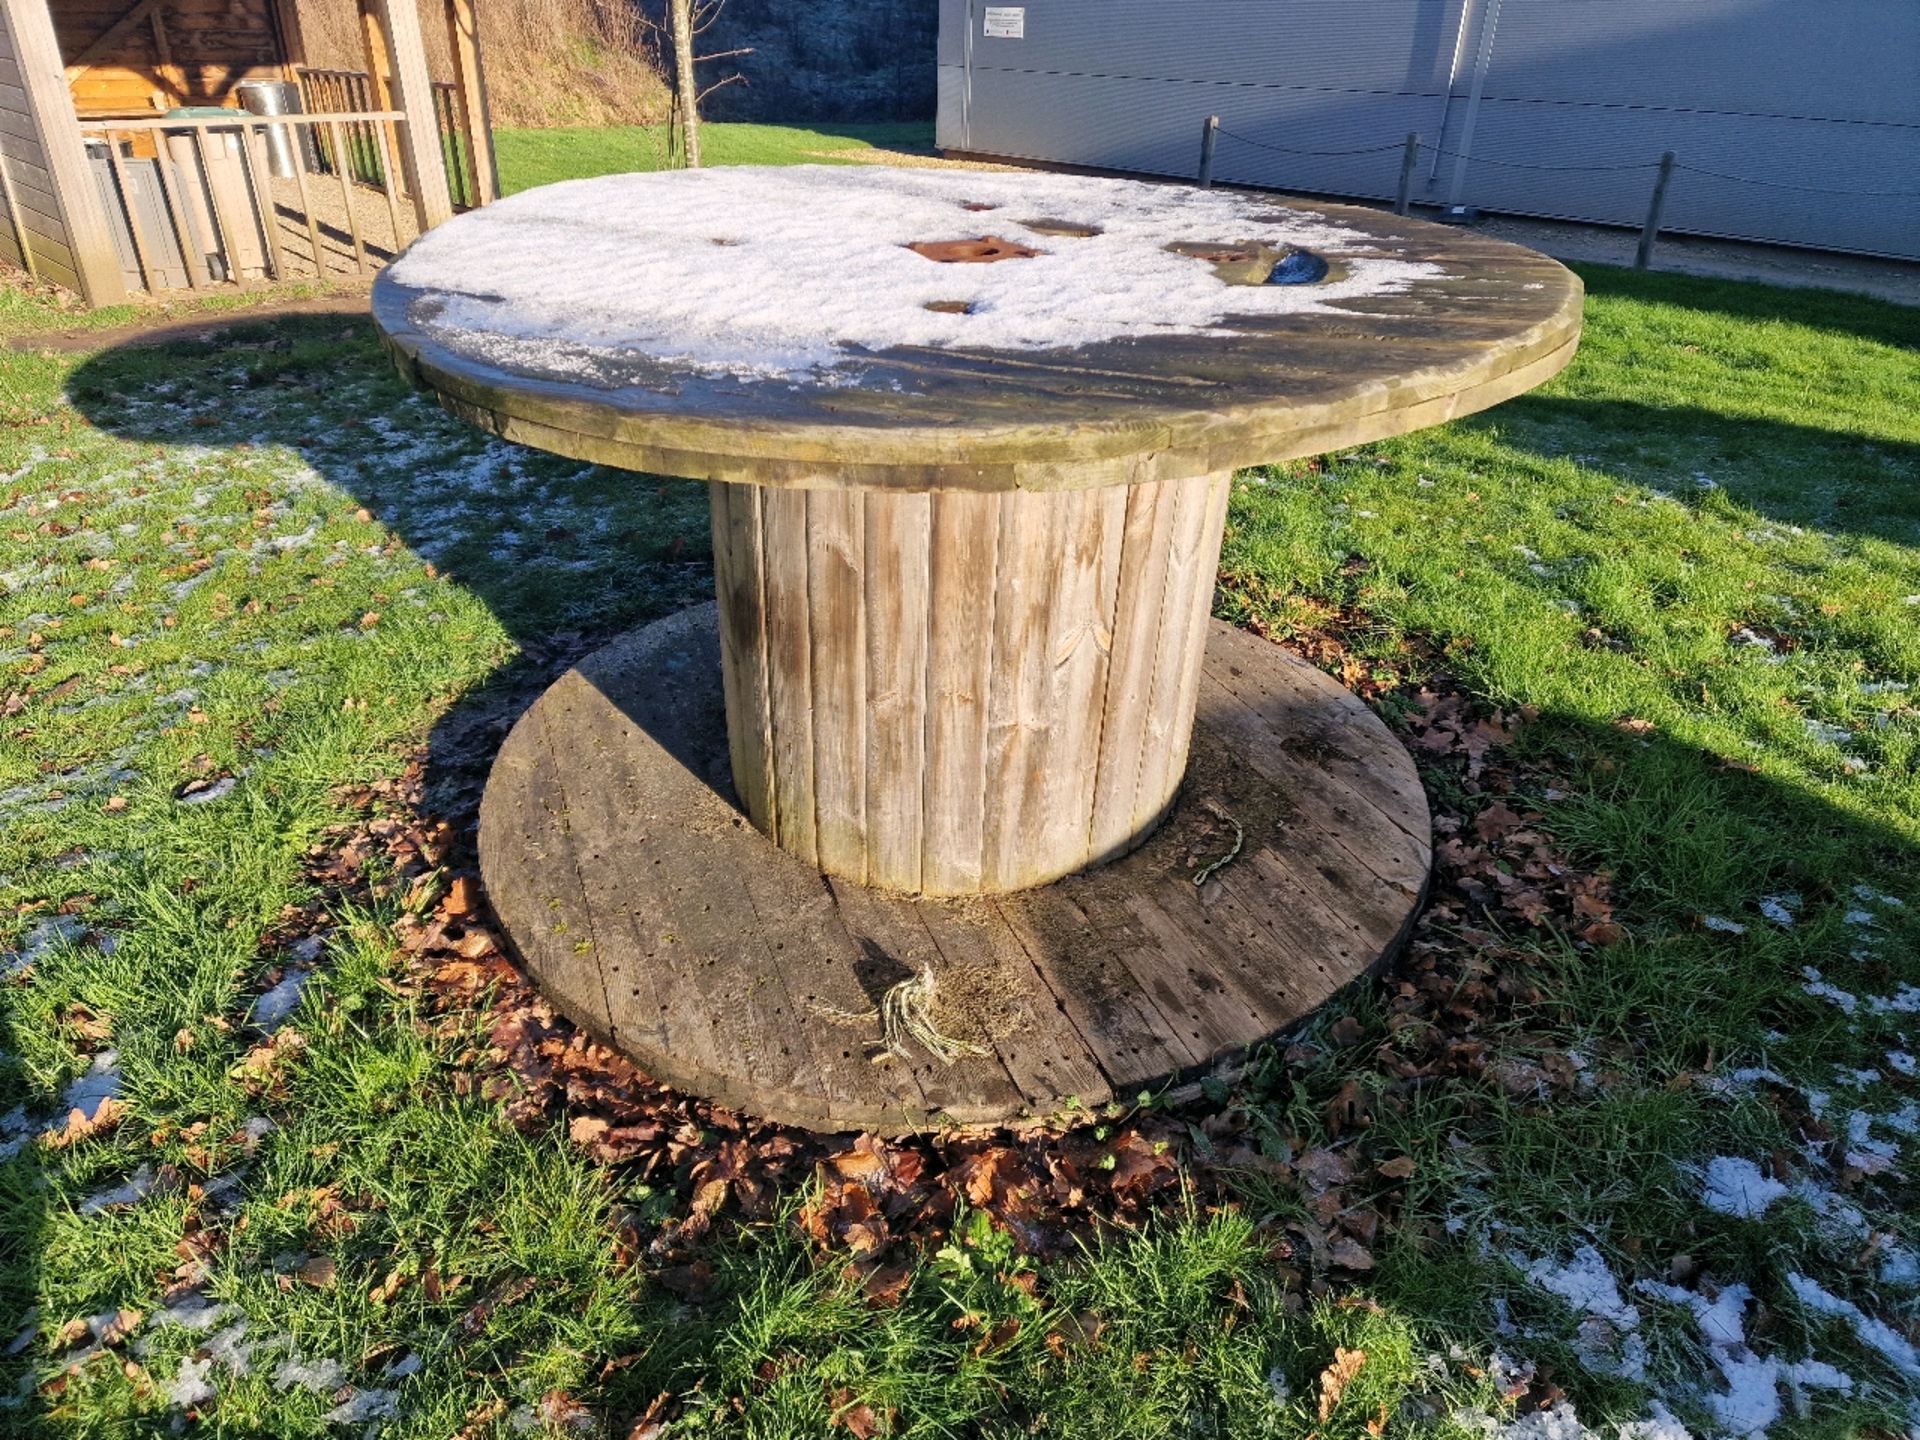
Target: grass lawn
x,y
1670,1177
539,157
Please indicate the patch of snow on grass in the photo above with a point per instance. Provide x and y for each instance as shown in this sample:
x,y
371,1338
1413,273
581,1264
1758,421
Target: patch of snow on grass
x,y
706,279
271,1010
1904,1001
218,790
191,1312
1875,1334
308,1374
1751,1401
100,1082
1864,1153
1900,1268
130,1191
1738,1187
364,1405
1563,1422
1585,1283
191,1385
1823,989
49,932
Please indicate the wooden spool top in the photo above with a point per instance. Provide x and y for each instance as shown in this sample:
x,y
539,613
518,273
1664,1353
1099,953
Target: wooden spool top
x,y
928,329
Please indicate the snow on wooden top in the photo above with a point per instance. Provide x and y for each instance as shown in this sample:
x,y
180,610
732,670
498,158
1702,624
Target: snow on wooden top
x,y
796,271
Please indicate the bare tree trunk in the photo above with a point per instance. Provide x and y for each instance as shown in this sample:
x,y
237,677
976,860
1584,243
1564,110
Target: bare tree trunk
x,y
686,91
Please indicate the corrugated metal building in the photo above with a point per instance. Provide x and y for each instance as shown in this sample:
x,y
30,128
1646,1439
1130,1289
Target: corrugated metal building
x,y
1807,114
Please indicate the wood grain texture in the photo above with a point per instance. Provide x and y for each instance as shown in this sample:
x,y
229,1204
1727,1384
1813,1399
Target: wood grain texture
x,y
941,699
1169,407
650,910
85,250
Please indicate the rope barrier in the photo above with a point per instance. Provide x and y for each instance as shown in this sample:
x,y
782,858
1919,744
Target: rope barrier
x,y
1573,169
1451,154
1521,165
1806,189
1288,150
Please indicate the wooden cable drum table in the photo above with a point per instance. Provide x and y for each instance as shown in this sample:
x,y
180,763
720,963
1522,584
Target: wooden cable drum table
x,y
957,807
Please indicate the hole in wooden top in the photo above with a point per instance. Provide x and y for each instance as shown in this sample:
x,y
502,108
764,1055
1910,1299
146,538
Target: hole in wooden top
x,y
977,206
982,251
1237,263
1065,229
1252,263
950,307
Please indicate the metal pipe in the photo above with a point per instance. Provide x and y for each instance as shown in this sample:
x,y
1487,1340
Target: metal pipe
x,y
1209,135
1489,21
1453,78
1643,256
1403,199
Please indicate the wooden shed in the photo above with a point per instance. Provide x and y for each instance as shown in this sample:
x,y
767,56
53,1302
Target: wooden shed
x,y
162,144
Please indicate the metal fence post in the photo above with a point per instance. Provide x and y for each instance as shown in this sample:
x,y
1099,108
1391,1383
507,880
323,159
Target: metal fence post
x,y
1209,133
1403,199
1643,257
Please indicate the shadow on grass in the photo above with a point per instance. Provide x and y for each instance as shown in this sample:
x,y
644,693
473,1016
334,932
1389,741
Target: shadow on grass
x,y
24,1193
1864,317
559,586
1682,832
1806,475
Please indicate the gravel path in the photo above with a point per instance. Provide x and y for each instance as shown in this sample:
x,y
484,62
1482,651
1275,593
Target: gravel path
x,y
370,213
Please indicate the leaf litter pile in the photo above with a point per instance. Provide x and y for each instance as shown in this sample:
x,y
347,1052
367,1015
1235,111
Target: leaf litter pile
x,y
1458,1003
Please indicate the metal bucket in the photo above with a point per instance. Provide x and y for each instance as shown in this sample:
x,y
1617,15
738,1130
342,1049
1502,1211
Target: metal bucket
x,y
278,97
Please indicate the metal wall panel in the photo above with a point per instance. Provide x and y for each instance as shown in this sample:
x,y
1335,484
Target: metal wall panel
x,y
949,125
1823,98
1795,151
1836,60
1389,45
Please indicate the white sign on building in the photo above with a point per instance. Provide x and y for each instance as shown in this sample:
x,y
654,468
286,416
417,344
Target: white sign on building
x,y
1007,22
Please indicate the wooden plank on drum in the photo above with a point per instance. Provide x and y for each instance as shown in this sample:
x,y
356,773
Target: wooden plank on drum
x,y
836,602
783,551
898,615
961,582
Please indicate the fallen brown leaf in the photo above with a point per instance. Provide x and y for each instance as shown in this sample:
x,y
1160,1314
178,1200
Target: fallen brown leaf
x,y
79,1126
1335,1379
855,1415
1349,1254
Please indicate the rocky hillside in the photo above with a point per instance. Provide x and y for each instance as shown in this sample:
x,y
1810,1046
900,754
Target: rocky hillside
x,y
549,62
598,62
825,60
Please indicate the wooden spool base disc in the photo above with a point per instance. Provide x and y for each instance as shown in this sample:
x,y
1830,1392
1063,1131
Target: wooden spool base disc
x,y
652,913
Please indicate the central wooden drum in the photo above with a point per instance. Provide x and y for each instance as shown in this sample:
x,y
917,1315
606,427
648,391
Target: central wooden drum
x,y
957,808
957,694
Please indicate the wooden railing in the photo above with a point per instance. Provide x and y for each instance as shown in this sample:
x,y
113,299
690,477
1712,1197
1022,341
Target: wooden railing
x,y
327,92
345,92
215,206
456,143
